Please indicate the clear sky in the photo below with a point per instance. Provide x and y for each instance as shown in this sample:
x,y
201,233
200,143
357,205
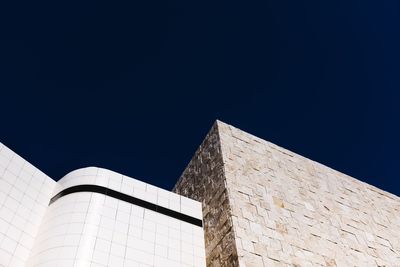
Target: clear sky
x,y
134,86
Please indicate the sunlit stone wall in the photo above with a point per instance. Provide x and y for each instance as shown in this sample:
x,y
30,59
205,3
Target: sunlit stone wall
x,y
266,206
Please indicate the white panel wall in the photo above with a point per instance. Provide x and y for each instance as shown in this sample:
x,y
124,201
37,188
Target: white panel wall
x,y
24,195
132,187
90,229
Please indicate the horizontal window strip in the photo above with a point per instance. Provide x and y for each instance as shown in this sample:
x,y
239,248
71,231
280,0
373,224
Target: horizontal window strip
x,y
127,198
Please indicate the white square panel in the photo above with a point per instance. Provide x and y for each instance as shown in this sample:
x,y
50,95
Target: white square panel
x,y
85,228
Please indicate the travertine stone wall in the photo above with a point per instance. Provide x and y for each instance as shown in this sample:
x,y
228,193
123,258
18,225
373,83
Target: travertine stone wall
x,y
287,210
204,180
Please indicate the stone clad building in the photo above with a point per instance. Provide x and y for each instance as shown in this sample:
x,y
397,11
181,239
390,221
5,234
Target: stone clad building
x,y
266,206
241,201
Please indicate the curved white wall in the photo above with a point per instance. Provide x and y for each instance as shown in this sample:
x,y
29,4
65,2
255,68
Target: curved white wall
x,y
132,187
91,229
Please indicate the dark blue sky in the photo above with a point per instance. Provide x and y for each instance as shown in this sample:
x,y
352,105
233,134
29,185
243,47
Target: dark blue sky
x,y
134,86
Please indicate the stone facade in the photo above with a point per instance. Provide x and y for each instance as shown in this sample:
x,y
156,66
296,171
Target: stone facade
x,y
204,180
266,206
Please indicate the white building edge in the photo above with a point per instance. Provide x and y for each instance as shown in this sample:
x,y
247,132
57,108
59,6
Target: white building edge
x,y
93,217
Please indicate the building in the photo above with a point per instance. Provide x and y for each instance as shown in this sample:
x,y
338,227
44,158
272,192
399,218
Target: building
x,y
93,217
281,209
254,204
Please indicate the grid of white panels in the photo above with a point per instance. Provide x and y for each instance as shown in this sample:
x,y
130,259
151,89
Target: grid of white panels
x,y
91,229
132,187
24,195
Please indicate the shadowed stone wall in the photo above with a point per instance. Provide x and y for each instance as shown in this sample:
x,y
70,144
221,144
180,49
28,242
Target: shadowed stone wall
x,y
204,180
266,206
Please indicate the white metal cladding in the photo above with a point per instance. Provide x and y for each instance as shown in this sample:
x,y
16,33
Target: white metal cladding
x,y
91,229
24,195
